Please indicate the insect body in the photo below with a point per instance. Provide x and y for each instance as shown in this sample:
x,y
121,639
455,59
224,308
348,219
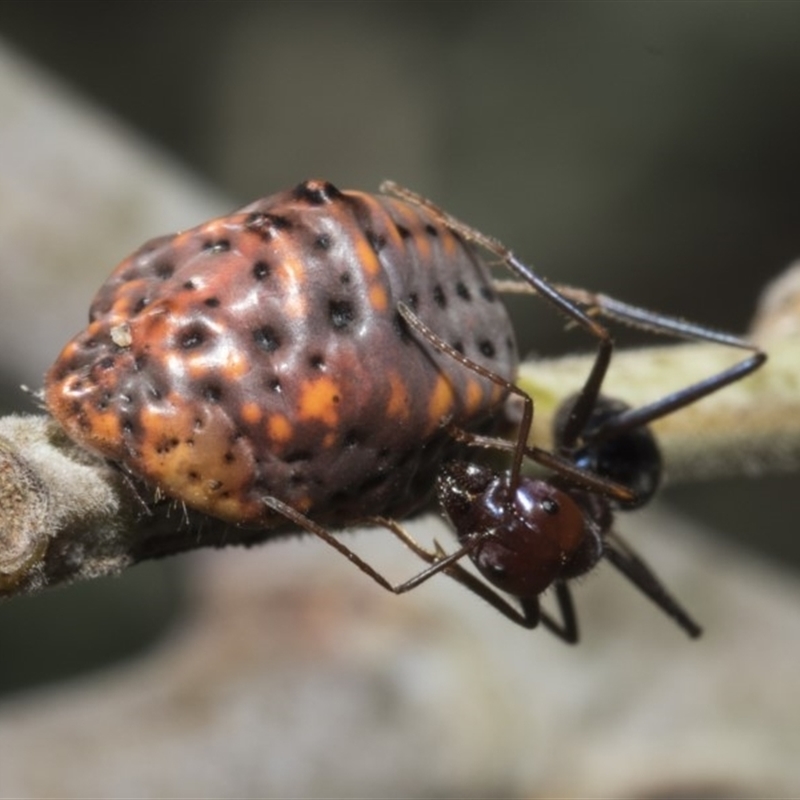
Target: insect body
x,y
322,357
262,355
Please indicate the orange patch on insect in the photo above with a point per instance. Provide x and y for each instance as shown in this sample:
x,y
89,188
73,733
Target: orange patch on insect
x,y
450,242
397,407
106,431
302,504
366,257
474,396
319,400
422,243
441,402
251,413
498,393
378,298
279,428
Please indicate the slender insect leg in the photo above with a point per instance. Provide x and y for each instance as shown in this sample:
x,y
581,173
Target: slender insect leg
x,y
661,324
438,565
632,567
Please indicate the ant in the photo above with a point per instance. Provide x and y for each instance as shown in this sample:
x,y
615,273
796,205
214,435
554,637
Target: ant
x,y
524,534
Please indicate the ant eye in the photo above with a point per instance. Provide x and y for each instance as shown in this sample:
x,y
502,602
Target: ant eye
x,y
550,506
497,570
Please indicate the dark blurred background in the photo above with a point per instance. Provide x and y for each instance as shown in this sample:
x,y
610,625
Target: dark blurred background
x,y
646,149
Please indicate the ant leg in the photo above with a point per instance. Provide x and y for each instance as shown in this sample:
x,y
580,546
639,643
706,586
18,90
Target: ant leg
x,y
531,615
437,564
559,464
587,398
637,417
439,558
567,628
636,571
520,448
662,324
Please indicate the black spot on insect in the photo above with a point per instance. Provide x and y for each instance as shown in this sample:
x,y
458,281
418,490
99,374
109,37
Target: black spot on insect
x,y
139,362
352,439
431,231
191,338
212,392
267,339
404,232
164,270
140,304
211,302
439,296
462,290
345,279
341,313
189,285
106,363
376,241
193,475
274,385
487,293
316,362
323,242
127,426
487,348
261,270
229,457
458,346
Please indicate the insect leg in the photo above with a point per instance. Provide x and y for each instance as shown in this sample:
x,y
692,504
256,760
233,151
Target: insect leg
x,y
635,570
437,564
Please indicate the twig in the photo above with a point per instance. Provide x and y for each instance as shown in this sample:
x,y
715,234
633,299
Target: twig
x,y
70,516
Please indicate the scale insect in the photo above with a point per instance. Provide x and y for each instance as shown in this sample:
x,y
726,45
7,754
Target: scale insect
x,y
261,354
324,358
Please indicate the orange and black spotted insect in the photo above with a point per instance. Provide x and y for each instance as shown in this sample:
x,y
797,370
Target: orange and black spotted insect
x,y
323,358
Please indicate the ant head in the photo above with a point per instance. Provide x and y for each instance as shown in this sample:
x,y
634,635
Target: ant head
x,y
629,457
531,534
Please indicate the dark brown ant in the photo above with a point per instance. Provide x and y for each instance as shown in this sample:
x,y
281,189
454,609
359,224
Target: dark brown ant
x,y
524,534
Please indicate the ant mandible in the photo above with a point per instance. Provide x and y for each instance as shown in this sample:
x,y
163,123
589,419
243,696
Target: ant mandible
x,y
524,534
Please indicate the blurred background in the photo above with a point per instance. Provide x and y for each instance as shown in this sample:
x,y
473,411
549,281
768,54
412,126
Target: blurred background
x,y
648,150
